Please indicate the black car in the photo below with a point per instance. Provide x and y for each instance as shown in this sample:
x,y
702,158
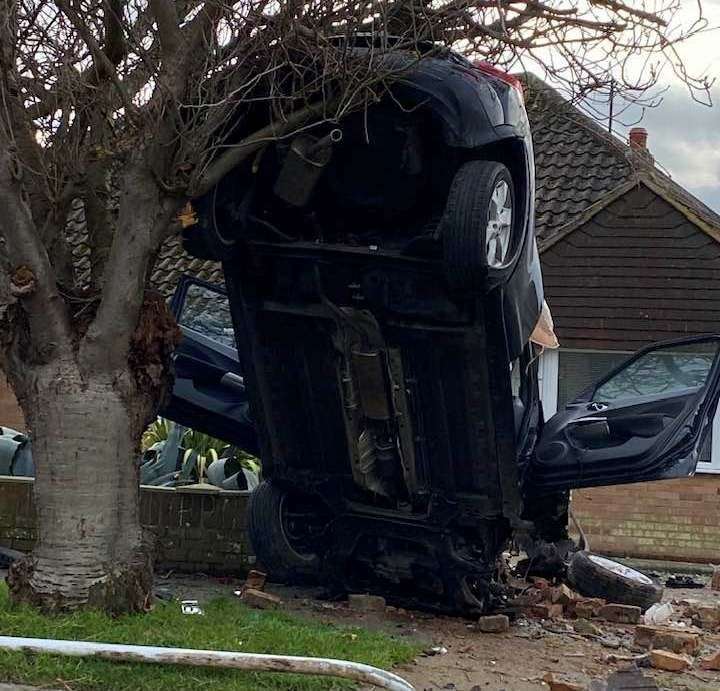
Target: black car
x,y
383,282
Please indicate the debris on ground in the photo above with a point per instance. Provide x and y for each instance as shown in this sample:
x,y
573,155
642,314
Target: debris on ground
x,y
666,638
556,684
711,662
366,603
670,662
435,650
625,680
190,607
658,614
609,640
563,595
587,608
546,610
683,580
586,628
705,616
259,599
620,614
255,580
494,623
635,660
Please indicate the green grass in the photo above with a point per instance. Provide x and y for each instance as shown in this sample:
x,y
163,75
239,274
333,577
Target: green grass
x,y
226,625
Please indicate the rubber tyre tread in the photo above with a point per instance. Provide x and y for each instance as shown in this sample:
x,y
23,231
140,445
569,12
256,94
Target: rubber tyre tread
x,y
464,223
269,542
592,580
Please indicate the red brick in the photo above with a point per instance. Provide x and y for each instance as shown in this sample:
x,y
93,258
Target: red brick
x,y
672,662
666,638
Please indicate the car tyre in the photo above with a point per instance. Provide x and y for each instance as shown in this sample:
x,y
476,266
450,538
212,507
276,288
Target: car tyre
x,y
274,551
478,225
595,576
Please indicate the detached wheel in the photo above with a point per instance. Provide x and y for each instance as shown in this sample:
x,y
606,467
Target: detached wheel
x,y
478,225
595,576
286,531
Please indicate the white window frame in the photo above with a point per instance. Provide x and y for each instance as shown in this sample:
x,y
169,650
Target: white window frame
x,y
548,374
548,381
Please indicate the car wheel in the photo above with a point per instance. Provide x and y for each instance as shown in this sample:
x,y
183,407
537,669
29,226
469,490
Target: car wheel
x,y
478,224
595,576
285,530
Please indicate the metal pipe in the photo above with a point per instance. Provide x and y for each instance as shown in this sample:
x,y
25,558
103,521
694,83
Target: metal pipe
x,y
217,659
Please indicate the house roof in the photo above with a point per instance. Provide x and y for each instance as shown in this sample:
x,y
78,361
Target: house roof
x,y
581,168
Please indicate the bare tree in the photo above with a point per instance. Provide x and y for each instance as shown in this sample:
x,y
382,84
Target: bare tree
x,y
134,106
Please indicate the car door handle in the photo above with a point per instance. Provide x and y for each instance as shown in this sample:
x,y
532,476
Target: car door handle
x,y
588,420
233,381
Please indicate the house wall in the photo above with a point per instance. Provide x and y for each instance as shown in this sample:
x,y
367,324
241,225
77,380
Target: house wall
x,y
637,273
677,520
194,531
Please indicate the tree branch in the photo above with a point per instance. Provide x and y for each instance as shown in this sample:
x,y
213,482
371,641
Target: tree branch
x,y
32,279
115,47
169,33
241,151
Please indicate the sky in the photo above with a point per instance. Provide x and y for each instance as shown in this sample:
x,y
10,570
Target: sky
x,y
683,135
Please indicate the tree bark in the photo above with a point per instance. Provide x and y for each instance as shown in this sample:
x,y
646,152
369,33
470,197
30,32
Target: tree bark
x,y
90,550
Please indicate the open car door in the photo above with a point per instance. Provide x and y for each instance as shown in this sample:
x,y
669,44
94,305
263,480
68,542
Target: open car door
x,y
209,391
646,420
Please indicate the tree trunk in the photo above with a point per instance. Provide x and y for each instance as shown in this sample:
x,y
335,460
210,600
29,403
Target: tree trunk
x,y
90,549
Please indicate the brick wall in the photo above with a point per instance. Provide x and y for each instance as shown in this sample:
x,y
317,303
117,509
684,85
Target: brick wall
x,y
677,520
194,531
10,413
197,531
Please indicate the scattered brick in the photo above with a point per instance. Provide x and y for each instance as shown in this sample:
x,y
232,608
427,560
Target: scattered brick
x,y
255,580
706,617
546,610
366,603
562,595
494,623
672,662
586,608
259,599
711,662
667,639
620,614
540,583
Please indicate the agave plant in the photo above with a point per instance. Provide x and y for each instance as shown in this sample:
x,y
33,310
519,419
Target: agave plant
x,y
158,431
200,450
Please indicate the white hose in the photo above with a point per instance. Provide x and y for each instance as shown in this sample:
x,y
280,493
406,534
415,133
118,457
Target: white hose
x,y
248,662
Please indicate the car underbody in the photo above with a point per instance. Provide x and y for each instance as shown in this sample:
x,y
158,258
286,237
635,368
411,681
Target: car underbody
x,y
384,282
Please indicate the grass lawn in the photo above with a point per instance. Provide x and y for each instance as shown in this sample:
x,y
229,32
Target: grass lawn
x,y
226,625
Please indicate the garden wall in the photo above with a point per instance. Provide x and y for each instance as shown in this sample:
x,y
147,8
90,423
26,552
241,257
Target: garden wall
x,y
194,531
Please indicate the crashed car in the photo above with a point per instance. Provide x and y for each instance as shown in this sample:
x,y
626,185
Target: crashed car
x,y
383,281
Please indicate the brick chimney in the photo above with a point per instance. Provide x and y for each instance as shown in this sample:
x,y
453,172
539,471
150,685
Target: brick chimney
x,y
637,139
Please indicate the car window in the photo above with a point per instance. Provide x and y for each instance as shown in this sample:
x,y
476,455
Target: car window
x,y
208,313
670,371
